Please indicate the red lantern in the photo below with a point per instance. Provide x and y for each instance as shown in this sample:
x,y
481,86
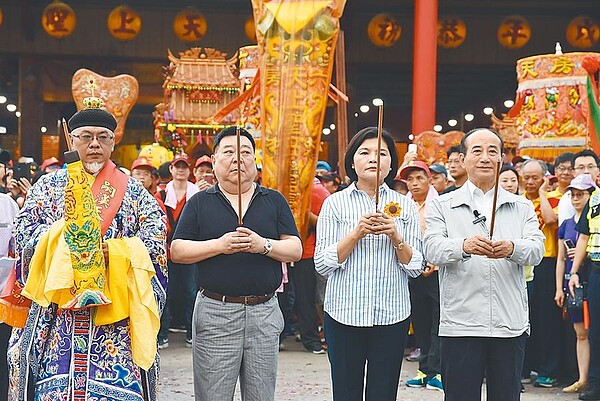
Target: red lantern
x,y
190,25
59,20
514,32
124,23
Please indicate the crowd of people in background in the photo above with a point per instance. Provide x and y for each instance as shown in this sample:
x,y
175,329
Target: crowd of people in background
x,y
323,297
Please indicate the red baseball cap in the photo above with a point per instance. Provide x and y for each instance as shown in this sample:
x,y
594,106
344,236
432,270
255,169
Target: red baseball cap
x,y
414,165
203,159
180,159
142,162
53,161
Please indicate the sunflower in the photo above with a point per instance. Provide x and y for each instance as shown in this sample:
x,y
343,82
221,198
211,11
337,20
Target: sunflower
x,y
392,209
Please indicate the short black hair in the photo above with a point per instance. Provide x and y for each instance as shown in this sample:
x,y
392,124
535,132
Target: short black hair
x,y
154,173
509,168
163,171
584,153
463,142
231,131
453,149
358,139
563,157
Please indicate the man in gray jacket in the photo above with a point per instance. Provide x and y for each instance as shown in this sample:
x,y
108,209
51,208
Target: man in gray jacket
x,y
483,298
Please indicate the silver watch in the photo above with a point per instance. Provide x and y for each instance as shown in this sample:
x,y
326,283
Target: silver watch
x,y
268,246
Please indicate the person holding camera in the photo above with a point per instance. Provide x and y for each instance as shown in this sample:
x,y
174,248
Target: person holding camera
x,y
182,289
203,172
581,188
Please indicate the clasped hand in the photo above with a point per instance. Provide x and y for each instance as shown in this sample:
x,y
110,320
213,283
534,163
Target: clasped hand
x,y
378,223
242,240
483,246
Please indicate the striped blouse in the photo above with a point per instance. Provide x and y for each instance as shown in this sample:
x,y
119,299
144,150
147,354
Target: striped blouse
x,y
369,288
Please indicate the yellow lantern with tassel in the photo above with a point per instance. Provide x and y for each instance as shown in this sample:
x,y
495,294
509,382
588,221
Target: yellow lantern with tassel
x,y
190,25
384,30
514,32
452,32
124,23
59,19
583,32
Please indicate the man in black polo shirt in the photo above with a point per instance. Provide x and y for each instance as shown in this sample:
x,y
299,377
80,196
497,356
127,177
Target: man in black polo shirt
x,y
237,320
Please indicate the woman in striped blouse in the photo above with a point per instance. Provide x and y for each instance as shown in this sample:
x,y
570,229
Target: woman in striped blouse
x,y
368,256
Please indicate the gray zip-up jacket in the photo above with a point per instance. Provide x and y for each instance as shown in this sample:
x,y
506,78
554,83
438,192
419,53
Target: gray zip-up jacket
x,y
482,297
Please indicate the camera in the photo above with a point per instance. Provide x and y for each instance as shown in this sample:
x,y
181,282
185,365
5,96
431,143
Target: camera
x,y
575,302
22,170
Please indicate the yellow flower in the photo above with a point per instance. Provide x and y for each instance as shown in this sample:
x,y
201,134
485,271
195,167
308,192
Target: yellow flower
x,y
392,209
110,347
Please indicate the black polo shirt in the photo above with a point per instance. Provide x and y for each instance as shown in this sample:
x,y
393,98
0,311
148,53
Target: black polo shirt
x,y
208,215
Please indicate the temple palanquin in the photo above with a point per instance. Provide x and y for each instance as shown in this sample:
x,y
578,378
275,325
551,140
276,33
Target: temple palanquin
x,y
197,85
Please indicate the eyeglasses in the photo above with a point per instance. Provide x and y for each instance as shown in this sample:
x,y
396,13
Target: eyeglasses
x,y
561,169
589,167
577,195
87,138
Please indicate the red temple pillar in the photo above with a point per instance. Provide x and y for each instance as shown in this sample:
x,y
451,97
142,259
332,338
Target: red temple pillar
x,y
424,66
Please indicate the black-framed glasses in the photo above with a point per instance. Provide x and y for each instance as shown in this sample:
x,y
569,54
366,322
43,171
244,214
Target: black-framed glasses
x,y
561,169
104,139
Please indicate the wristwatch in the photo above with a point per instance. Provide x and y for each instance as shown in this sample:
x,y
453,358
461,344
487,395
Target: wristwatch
x,y
268,246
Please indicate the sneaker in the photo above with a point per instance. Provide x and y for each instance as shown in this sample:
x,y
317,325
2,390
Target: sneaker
x,y
522,388
420,380
435,383
526,380
592,393
281,347
163,343
547,382
414,356
188,343
319,351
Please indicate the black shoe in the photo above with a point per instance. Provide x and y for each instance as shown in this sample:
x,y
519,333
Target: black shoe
x,y
591,394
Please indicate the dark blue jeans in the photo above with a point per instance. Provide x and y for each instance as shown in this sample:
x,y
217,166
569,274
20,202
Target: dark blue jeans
x,y
349,348
466,359
181,296
593,295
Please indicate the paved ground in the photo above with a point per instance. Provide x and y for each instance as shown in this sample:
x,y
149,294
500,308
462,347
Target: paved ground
x,y
302,376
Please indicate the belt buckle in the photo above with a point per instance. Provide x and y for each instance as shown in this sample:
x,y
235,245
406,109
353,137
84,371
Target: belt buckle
x,y
246,300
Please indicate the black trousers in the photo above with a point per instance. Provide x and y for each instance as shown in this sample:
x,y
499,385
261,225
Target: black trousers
x,y
546,319
350,348
466,359
303,275
5,331
593,294
425,317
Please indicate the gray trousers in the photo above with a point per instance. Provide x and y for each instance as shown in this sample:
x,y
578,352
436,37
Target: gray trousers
x,y
235,340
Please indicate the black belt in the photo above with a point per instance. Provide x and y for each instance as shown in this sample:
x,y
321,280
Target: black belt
x,y
247,300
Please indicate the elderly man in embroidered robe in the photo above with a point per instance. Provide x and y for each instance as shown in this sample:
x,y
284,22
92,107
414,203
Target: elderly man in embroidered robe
x,y
81,348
